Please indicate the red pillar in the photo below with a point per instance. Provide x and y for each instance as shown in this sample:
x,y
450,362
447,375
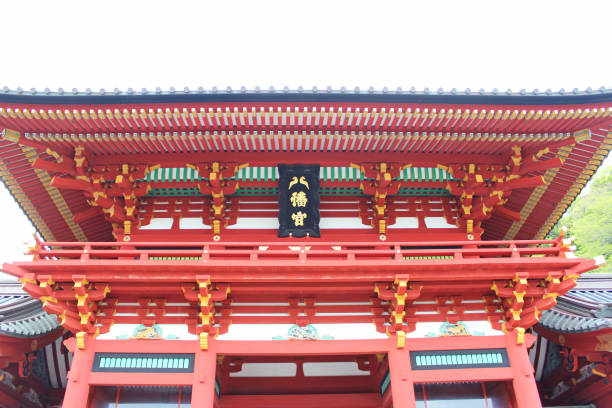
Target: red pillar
x,y
77,389
203,389
402,387
525,389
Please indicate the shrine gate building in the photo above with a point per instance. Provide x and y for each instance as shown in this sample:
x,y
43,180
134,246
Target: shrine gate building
x,y
295,248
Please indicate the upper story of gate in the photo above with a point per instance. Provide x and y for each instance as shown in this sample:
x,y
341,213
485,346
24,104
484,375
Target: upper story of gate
x,y
393,165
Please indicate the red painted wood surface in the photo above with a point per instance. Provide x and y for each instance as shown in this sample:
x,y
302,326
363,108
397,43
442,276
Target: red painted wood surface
x,y
402,376
357,400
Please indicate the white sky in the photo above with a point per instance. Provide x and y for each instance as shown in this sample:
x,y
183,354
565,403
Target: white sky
x,y
448,44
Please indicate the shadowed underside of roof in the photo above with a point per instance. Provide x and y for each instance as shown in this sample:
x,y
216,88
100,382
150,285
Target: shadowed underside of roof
x,y
423,128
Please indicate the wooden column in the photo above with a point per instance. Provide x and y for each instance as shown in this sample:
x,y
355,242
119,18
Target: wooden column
x,y
525,389
203,388
77,389
402,386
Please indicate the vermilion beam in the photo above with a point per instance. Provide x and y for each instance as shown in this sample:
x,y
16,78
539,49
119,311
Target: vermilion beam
x,y
66,166
143,379
303,348
482,374
540,165
361,400
87,214
301,385
71,184
264,159
508,213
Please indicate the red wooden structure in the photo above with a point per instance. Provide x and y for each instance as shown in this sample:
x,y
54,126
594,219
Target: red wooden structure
x,y
161,209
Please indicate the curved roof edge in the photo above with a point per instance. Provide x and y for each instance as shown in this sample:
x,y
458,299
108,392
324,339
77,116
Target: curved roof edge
x,y
200,95
22,316
585,308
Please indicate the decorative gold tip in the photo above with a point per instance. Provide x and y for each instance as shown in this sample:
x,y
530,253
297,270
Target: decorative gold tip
x,y
27,280
470,226
582,135
382,226
520,335
204,341
80,340
10,135
599,373
401,339
494,287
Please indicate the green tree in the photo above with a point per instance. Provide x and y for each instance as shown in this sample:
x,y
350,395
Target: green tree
x,y
589,219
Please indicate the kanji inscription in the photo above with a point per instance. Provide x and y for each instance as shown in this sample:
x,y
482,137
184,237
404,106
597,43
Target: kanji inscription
x,y
298,200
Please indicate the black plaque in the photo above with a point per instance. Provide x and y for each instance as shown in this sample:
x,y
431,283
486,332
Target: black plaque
x,y
298,201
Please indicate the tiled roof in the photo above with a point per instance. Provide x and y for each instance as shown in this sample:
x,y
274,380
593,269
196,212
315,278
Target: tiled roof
x,y
586,308
329,94
22,316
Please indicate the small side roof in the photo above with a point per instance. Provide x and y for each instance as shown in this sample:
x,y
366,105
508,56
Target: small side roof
x,y
21,315
585,308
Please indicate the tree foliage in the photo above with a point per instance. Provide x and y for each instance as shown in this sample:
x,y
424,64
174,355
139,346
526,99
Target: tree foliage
x,y
589,219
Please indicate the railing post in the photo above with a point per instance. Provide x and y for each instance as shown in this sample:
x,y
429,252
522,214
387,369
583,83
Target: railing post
x,y
126,248
515,252
85,256
398,253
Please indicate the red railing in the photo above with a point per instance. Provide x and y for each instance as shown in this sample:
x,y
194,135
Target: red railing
x,y
298,251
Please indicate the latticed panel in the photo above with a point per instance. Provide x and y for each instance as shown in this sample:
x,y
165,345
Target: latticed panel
x,y
271,174
274,191
173,174
424,174
265,191
423,191
267,174
428,257
174,192
175,258
428,360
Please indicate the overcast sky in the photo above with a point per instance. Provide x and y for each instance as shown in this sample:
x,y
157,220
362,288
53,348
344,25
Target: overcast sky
x,y
448,44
